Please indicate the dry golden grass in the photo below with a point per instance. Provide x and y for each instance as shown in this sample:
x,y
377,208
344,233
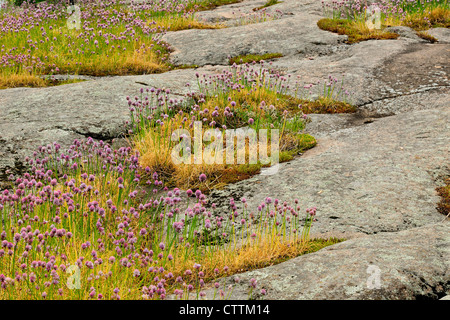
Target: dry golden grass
x,y
420,20
32,81
356,31
159,159
136,63
21,80
253,255
155,146
426,36
156,153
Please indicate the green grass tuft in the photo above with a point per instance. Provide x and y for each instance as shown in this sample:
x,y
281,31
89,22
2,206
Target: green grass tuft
x,y
268,4
254,57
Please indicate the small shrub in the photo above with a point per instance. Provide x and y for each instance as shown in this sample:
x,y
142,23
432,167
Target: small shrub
x,y
88,224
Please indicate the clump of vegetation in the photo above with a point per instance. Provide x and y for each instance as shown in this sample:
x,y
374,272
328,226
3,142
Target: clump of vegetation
x,y
356,32
444,192
331,97
98,39
249,99
237,99
32,81
352,18
426,36
81,225
22,80
249,58
327,105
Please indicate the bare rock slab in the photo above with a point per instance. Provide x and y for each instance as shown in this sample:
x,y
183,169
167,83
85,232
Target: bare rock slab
x,y
289,35
366,179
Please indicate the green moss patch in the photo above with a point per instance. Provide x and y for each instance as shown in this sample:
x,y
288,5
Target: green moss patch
x,y
254,57
267,4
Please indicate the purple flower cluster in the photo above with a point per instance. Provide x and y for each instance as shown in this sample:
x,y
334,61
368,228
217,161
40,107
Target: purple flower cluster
x,y
54,218
35,34
357,9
